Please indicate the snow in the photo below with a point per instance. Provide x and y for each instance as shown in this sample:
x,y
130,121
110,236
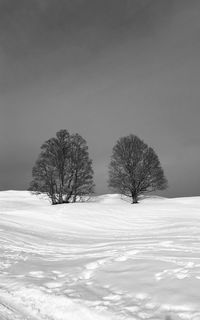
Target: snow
x,y
99,260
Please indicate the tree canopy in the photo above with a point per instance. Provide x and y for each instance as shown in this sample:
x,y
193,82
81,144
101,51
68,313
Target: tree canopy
x,y
63,169
135,168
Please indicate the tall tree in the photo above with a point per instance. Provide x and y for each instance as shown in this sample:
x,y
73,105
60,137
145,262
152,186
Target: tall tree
x,y
81,168
135,168
63,170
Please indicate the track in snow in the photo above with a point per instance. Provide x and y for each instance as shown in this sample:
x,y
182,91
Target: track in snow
x,y
101,260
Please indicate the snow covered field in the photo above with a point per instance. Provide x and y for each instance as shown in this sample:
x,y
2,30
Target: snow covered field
x,y
102,260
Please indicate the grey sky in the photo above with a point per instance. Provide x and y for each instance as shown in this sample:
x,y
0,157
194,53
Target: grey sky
x,y
104,69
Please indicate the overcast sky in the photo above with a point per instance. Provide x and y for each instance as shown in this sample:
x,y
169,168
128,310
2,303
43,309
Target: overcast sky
x,y
103,69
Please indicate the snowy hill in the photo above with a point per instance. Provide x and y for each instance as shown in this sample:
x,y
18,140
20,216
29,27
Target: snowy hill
x,y
103,259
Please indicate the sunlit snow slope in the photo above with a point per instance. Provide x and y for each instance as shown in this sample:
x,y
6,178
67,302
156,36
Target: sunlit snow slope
x,y
104,259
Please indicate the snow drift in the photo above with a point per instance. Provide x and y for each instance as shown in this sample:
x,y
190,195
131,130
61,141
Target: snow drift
x,y
104,259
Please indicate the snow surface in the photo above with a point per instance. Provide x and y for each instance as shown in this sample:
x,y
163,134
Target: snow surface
x,y
100,260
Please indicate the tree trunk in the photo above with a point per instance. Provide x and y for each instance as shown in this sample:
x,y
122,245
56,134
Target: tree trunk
x,y
134,198
60,193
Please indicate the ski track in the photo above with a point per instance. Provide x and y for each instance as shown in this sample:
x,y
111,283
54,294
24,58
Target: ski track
x,y
101,260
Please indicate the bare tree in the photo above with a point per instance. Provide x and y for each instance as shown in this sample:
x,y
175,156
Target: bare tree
x,y
63,170
81,168
135,168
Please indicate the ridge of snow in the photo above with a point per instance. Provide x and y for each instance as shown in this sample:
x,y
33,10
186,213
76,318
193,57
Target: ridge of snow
x,y
103,259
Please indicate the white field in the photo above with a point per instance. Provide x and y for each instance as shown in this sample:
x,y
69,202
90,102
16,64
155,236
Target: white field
x,y
101,260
